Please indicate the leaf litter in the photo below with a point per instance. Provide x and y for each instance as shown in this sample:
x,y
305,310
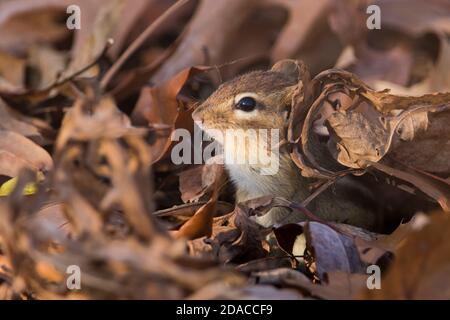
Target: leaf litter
x,y
87,121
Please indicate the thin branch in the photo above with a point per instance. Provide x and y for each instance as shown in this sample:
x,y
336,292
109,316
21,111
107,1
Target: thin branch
x,y
138,43
69,78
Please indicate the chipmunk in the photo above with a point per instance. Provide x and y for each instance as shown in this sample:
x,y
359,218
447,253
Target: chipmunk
x,y
262,100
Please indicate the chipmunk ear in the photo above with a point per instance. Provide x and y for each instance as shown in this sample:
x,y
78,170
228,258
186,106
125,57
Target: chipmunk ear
x,y
295,70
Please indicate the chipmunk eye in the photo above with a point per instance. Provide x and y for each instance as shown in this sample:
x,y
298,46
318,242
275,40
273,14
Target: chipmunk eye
x,y
246,104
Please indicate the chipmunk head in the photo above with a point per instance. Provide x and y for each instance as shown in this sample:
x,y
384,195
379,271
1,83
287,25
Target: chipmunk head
x,y
256,100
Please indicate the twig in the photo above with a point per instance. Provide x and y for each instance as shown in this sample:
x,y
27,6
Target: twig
x,y
426,173
327,184
69,78
138,42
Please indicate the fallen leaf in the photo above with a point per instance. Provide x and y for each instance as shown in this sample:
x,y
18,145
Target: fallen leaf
x,y
94,44
48,65
17,152
194,183
341,286
160,106
421,265
331,250
12,72
201,222
36,22
14,121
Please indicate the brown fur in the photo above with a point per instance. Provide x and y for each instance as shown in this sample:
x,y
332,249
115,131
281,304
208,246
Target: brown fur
x,y
274,91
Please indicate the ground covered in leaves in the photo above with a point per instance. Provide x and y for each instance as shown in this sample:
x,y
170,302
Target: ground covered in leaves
x,y
87,179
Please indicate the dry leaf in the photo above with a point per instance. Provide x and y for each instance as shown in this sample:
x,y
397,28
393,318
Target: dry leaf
x,y
421,265
18,152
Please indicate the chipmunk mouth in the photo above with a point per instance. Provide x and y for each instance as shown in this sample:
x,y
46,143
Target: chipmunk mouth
x,y
208,132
